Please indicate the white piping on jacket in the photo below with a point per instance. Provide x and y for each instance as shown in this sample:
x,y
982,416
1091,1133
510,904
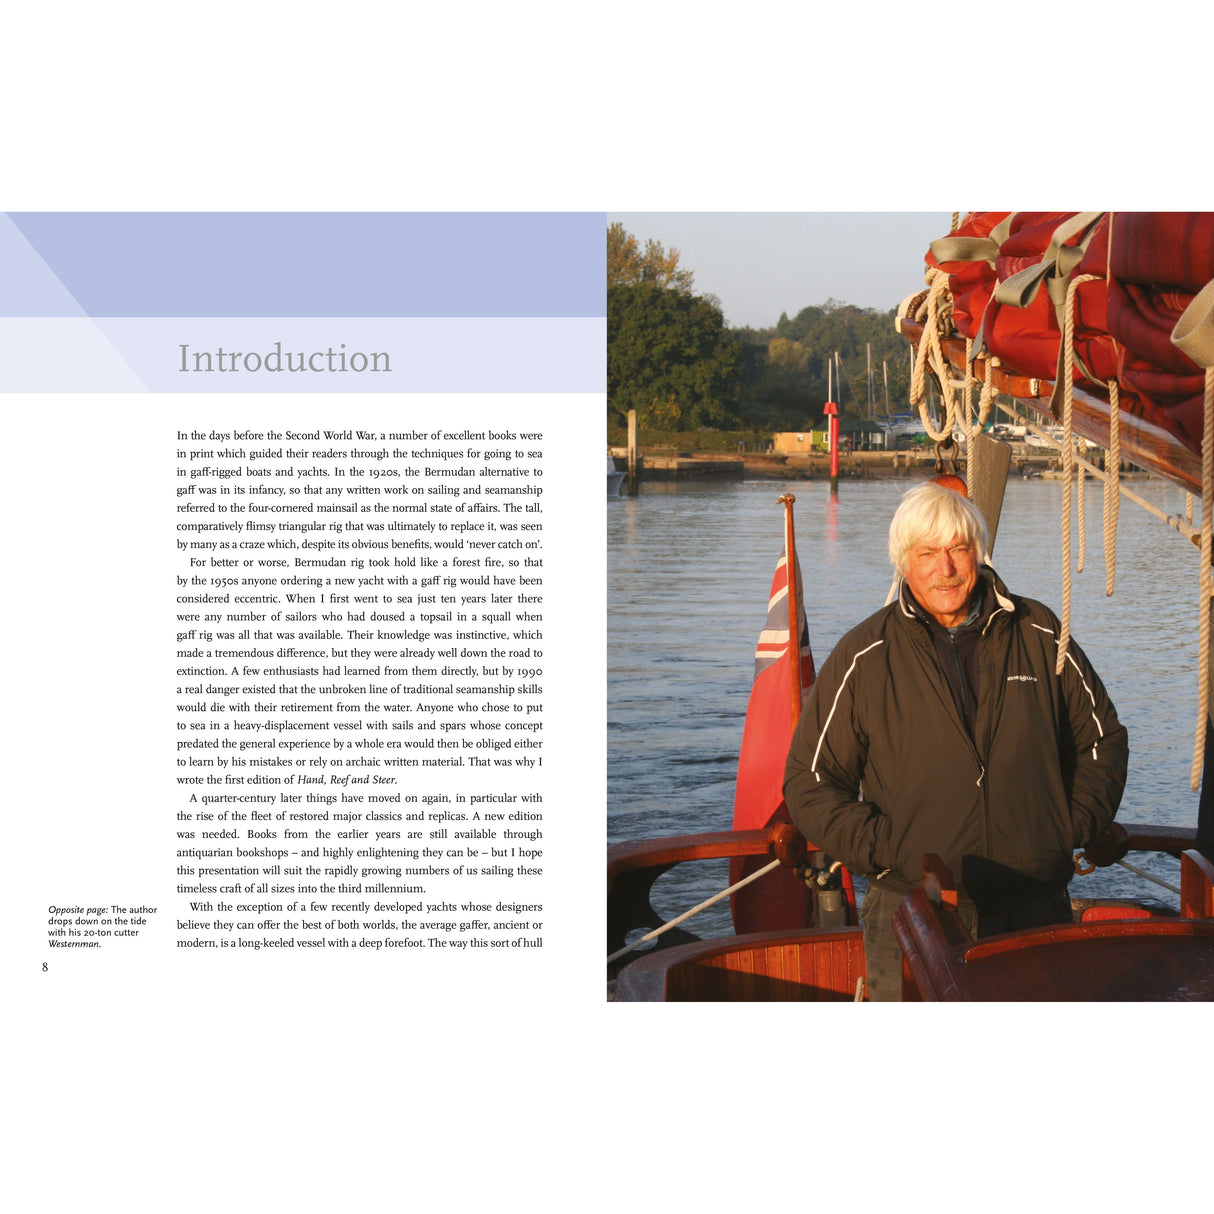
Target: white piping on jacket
x,y
830,715
1086,686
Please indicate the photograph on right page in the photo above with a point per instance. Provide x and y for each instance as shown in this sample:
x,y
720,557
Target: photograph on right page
x,y
958,457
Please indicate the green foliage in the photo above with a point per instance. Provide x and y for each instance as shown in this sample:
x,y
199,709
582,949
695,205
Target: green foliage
x,y
691,441
788,386
629,266
670,357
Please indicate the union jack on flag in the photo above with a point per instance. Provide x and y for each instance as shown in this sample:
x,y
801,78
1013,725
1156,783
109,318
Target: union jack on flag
x,y
773,640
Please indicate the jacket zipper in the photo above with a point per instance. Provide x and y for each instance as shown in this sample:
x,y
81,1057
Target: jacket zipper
x,y
965,699
973,741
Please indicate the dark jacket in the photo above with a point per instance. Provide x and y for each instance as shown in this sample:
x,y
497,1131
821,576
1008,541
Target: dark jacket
x,y
883,769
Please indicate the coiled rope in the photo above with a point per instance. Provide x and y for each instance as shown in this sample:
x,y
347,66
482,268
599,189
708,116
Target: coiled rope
x,y
935,312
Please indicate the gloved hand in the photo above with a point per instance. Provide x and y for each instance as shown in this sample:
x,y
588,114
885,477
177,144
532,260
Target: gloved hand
x,y
1108,847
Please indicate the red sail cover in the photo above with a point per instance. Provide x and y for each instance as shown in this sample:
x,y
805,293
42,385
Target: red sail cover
x,y
1147,266
780,899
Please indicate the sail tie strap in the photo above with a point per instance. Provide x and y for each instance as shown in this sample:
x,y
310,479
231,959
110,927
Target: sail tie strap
x,y
1058,261
695,910
1194,331
973,248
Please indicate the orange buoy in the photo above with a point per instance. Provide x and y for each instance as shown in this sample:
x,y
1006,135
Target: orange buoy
x,y
950,481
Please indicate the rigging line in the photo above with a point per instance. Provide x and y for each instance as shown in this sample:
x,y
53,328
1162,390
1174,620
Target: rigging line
x,y
1207,552
695,910
1072,468
1112,488
1112,484
1172,521
1147,876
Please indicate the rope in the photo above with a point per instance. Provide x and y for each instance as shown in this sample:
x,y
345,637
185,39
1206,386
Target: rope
x,y
1177,525
1069,459
987,396
1080,484
1112,487
1207,545
969,384
1112,483
695,910
935,309
1139,872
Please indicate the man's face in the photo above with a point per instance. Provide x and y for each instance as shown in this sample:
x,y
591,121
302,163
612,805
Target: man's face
x,y
942,578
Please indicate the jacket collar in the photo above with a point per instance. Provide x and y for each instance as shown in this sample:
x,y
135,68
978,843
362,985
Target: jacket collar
x,y
995,596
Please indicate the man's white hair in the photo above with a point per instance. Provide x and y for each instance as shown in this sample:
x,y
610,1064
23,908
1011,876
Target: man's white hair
x,y
932,513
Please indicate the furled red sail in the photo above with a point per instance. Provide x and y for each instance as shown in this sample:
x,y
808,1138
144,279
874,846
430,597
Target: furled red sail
x,y
1008,277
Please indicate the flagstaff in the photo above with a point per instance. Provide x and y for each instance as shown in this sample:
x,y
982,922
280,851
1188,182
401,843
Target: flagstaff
x,y
794,607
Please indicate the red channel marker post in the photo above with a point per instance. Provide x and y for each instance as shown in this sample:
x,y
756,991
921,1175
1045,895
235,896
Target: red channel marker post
x,y
832,414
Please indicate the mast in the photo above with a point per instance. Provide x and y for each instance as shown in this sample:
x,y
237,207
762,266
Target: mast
x,y
868,351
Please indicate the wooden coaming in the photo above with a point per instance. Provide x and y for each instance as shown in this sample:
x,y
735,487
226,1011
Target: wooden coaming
x,y
1152,959
802,965
1196,886
824,964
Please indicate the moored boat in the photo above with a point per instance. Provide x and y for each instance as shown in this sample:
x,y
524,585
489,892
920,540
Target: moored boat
x,y
615,478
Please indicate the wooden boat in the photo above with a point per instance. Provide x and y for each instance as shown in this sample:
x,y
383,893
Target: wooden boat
x,y
825,964
615,478
1111,952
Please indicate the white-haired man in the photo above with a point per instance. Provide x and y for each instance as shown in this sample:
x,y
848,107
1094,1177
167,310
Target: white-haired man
x,y
939,725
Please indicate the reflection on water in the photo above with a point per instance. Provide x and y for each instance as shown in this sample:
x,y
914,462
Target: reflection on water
x,y
689,570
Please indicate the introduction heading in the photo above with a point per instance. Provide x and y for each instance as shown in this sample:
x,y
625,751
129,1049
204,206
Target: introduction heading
x,y
318,361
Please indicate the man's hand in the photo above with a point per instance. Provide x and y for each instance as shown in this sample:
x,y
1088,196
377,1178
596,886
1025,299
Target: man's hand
x,y
1108,847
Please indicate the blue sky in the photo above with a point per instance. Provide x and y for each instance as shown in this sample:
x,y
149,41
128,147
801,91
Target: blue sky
x,y
760,264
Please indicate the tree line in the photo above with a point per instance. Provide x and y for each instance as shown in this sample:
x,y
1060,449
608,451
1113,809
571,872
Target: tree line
x,y
671,356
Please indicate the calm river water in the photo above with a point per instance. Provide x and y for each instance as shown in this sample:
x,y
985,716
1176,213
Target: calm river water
x,y
689,568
